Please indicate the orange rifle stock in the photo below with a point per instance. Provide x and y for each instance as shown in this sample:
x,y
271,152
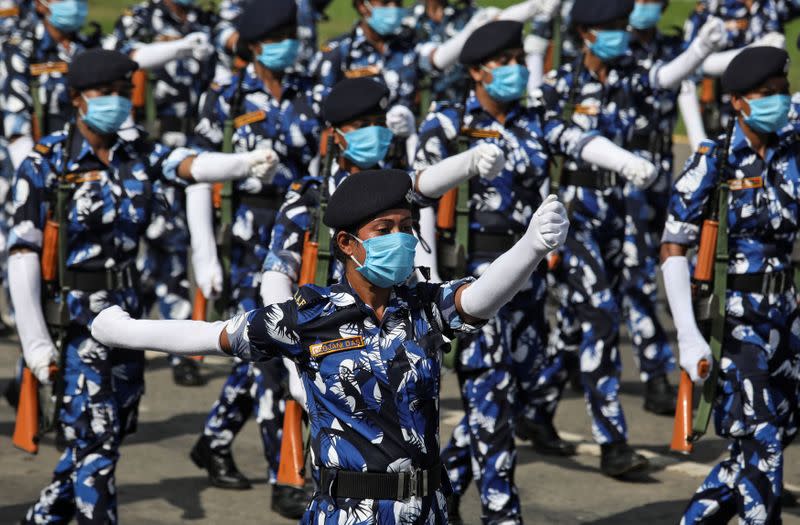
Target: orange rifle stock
x,y
703,274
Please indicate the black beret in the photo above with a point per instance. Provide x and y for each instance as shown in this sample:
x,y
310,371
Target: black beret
x,y
489,40
259,18
752,67
99,67
352,98
365,194
595,13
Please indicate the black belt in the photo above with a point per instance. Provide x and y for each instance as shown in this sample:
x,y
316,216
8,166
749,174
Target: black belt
x,y
642,142
762,283
95,281
397,486
254,200
598,180
492,242
179,124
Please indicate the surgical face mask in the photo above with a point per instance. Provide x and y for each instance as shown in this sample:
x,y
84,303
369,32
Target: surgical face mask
x,y
645,16
386,20
106,114
279,56
768,114
366,147
389,260
610,44
68,15
508,82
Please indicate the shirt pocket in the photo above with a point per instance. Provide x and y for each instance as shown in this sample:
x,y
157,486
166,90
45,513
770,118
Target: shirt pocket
x,y
748,208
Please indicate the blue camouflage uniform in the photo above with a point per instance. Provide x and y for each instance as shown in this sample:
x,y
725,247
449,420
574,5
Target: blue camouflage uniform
x,y
373,407
108,213
757,394
788,10
176,88
451,84
290,127
592,258
32,54
500,365
14,16
396,67
646,213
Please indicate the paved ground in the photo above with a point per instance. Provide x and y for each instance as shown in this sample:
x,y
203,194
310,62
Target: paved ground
x,y
158,484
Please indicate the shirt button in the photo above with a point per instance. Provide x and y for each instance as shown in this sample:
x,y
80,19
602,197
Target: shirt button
x,y
330,508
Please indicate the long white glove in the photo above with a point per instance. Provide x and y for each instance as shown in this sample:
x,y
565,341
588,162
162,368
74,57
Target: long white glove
x,y
400,120
114,327
157,54
510,272
19,149
205,263
427,230
710,38
716,63
535,50
606,155
276,287
217,167
446,54
693,346
524,11
484,160
690,111
25,285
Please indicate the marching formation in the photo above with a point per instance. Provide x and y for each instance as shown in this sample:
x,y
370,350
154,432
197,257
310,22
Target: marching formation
x,y
444,185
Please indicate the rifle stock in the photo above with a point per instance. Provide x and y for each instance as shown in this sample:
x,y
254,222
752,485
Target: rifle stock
x,y
26,426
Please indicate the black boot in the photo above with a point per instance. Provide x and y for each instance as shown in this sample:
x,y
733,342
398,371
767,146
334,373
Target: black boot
x,y
543,437
788,500
11,393
573,365
288,501
619,459
222,471
659,396
453,513
187,373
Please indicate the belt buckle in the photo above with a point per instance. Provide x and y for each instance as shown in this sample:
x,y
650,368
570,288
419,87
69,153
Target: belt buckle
x,y
412,483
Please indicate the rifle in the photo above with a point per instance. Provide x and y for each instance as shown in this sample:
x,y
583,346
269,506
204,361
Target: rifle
x,y
315,269
223,202
31,422
709,284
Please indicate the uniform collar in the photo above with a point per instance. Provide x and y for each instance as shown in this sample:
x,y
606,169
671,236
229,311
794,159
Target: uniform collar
x,y
396,303
291,82
740,142
474,108
82,150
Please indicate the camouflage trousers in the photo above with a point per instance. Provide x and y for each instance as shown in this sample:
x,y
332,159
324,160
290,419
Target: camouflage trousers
x,y
100,406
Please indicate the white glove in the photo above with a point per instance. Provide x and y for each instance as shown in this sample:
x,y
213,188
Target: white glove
x,y
693,347
446,54
199,46
19,149
423,258
510,272
486,160
712,36
641,172
400,120
205,263
276,287
522,12
715,64
114,327
25,285
690,112
481,17
217,167
608,156
549,226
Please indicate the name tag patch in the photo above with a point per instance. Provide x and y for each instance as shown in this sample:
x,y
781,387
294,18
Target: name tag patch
x,y
337,345
746,184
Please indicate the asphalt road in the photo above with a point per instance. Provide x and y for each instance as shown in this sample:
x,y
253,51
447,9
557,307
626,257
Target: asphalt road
x,y
157,483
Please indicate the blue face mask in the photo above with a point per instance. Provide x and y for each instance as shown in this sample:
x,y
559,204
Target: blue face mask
x,y
386,20
279,56
610,44
768,114
106,114
508,82
390,259
367,146
68,15
645,16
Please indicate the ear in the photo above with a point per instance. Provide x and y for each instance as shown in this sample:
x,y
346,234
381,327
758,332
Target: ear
x,y
585,34
345,242
740,104
362,9
475,73
339,140
255,48
75,98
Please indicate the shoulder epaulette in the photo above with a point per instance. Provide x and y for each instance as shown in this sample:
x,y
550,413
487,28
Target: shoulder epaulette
x,y
309,295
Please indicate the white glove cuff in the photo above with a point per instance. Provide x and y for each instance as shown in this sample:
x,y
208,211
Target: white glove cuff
x,y
606,155
25,286
200,222
678,286
276,288
218,167
157,54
